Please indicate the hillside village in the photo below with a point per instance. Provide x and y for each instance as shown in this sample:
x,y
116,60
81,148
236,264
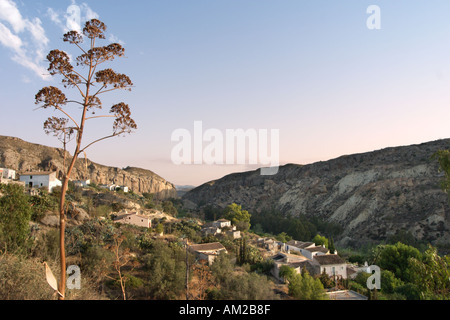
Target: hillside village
x,y
135,225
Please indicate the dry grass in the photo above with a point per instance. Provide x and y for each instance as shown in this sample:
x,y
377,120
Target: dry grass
x,y
24,279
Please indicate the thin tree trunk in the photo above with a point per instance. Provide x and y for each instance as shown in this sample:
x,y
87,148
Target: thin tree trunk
x,y
62,229
62,216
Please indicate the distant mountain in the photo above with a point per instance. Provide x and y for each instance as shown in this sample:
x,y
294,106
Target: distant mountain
x,y
24,156
371,195
181,190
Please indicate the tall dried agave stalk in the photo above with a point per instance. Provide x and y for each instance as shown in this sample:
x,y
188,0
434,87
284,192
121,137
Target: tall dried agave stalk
x,y
89,87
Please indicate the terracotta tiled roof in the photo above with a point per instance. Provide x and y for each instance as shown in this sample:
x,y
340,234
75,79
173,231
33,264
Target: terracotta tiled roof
x,y
299,244
207,246
317,249
327,259
37,173
123,216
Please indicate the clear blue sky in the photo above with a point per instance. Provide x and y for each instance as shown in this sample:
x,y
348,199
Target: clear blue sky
x,y
311,69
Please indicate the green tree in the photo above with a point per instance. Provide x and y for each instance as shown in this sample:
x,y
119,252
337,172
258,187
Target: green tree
x,y
40,204
396,258
245,286
320,240
283,237
222,267
326,280
239,217
389,282
159,228
89,86
15,215
169,208
305,287
286,272
431,275
331,246
302,286
166,269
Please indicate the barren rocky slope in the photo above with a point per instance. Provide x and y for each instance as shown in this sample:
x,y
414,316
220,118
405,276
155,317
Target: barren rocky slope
x,y
371,195
24,156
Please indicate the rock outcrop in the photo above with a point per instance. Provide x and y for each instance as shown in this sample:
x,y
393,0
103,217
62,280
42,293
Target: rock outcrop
x,y
372,195
23,156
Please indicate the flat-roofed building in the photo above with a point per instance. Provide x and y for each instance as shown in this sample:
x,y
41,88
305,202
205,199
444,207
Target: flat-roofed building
x,y
207,251
135,219
40,179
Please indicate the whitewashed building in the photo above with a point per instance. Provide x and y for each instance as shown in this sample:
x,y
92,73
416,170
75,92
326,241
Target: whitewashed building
x,y
40,179
221,227
134,219
6,173
207,251
308,249
82,183
222,223
332,264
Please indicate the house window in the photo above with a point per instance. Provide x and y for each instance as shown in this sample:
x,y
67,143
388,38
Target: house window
x,y
31,177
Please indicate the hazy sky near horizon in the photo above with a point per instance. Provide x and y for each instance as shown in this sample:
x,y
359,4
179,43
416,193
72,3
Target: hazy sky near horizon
x,y
311,69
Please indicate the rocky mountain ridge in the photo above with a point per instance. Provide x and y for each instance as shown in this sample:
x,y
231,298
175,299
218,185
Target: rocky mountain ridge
x,y
23,156
372,195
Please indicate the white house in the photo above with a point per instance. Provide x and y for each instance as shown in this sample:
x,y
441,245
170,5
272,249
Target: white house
x,y
40,179
110,187
308,249
8,173
311,252
207,251
215,228
211,230
332,264
134,219
299,246
295,261
114,187
82,183
222,223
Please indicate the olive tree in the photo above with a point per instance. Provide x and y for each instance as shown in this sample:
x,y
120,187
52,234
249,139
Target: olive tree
x,y
90,83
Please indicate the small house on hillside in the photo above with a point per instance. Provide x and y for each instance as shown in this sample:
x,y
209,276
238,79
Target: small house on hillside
x,y
221,227
211,230
298,246
40,179
134,219
207,251
332,264
308,249
222,223
6,173
295,261
81,183
114,187
311,252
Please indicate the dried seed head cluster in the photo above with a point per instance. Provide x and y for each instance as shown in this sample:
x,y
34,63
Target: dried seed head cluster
x,y
123,122
94,29
117,80
51,97
90,86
